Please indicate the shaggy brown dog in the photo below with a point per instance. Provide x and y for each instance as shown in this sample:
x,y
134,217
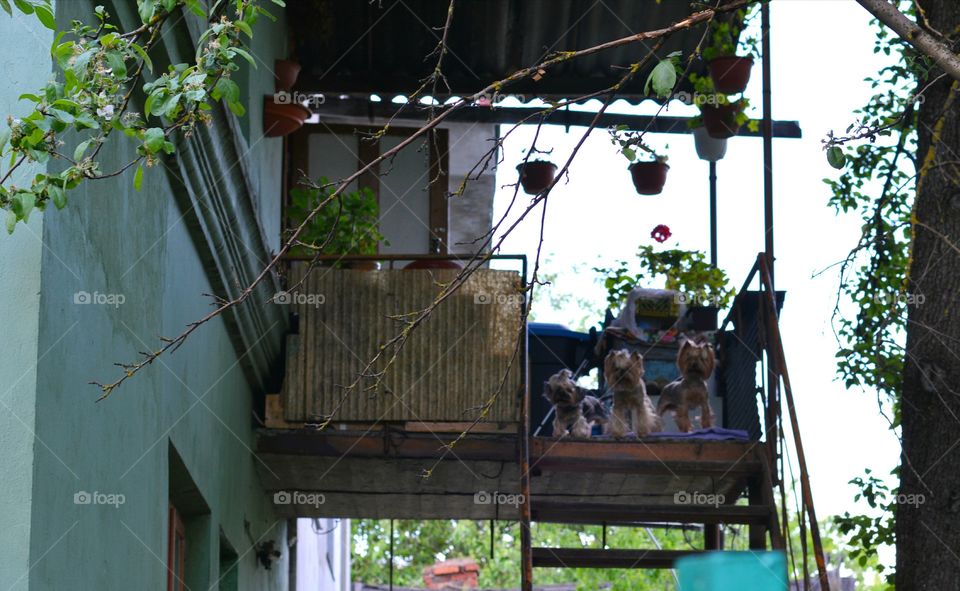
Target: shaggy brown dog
x,y
632,409
574,407
696,362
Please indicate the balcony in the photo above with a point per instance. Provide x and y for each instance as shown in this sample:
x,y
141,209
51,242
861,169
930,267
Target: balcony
x,y
385,439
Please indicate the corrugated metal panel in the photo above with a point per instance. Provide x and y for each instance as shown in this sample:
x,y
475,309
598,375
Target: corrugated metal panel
x,y
382,46
450,366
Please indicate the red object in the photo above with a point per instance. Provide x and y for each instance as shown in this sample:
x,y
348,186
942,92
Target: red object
x,y
536,176
285,74
661,233
649,177
721,120
176,551
433,264
730,73
459,573
280,119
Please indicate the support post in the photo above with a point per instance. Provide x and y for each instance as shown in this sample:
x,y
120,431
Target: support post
x,y
767,129
526,546
713,213
712,536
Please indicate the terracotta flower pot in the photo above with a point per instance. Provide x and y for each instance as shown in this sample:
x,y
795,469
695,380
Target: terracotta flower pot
x,y
285,74
721,120
536,176
649,177
433,264
280,119
730,73
709,148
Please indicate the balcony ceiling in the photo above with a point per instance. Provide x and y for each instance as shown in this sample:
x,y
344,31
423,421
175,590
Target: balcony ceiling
x,y
379,46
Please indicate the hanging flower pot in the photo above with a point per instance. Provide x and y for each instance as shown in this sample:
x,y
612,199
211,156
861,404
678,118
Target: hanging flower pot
x,y
721,120
285,74
730,73
280,119
536,176
649,177
709,148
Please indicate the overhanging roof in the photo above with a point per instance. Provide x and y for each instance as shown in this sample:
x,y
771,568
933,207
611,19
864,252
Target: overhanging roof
x,y
382,46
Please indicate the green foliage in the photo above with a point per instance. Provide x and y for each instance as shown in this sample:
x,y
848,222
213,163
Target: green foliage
x,y
663,77
878,184
631,141
726,37
346,224
100,69
418,544
685,271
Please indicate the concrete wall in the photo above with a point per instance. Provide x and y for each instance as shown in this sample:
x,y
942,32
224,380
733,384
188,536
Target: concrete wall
x,y
24,64
323,555
135,254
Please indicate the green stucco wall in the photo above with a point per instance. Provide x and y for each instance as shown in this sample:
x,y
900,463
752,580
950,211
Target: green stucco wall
x,y
112,242
24,64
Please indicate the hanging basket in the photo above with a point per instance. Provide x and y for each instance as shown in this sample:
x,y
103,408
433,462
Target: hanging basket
x,y
536,176
649,177
721,120
280,119
709,148
730,73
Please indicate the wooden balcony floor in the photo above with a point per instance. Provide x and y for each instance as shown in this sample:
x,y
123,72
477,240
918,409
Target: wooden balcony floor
x,y
380,474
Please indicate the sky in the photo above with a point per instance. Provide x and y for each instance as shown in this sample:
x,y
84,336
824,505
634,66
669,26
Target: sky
x,y
821,52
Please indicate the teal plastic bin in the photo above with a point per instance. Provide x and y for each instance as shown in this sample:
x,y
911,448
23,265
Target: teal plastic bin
x,y
733,571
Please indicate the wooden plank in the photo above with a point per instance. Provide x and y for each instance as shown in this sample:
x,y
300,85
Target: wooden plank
x,y
273,411
596,558
596,513
447,427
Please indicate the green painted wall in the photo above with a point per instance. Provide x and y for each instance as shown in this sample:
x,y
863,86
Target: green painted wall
x,y
24,64
116,244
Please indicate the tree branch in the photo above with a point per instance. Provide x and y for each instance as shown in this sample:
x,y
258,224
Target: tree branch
x,y
912,33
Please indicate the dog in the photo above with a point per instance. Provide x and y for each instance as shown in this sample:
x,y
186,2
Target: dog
x,y
575,408
632,409
695,362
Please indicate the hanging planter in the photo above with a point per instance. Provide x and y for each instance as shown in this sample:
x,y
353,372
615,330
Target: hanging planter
x,y
649,177
536,176
722,121
285,74
709,148
280,119
730,73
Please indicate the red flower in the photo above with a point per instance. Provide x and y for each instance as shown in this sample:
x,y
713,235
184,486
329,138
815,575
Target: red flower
x,y
661,233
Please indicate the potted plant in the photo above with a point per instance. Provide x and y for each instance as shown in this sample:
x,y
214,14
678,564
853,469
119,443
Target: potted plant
x,y
730,58
708,147
536,175
703,288
347,225
649,176
721,116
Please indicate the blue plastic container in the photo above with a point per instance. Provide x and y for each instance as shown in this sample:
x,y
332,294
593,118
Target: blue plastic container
x,y
733,571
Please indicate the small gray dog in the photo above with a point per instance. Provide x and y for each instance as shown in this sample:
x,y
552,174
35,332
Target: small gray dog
x,y
575,408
